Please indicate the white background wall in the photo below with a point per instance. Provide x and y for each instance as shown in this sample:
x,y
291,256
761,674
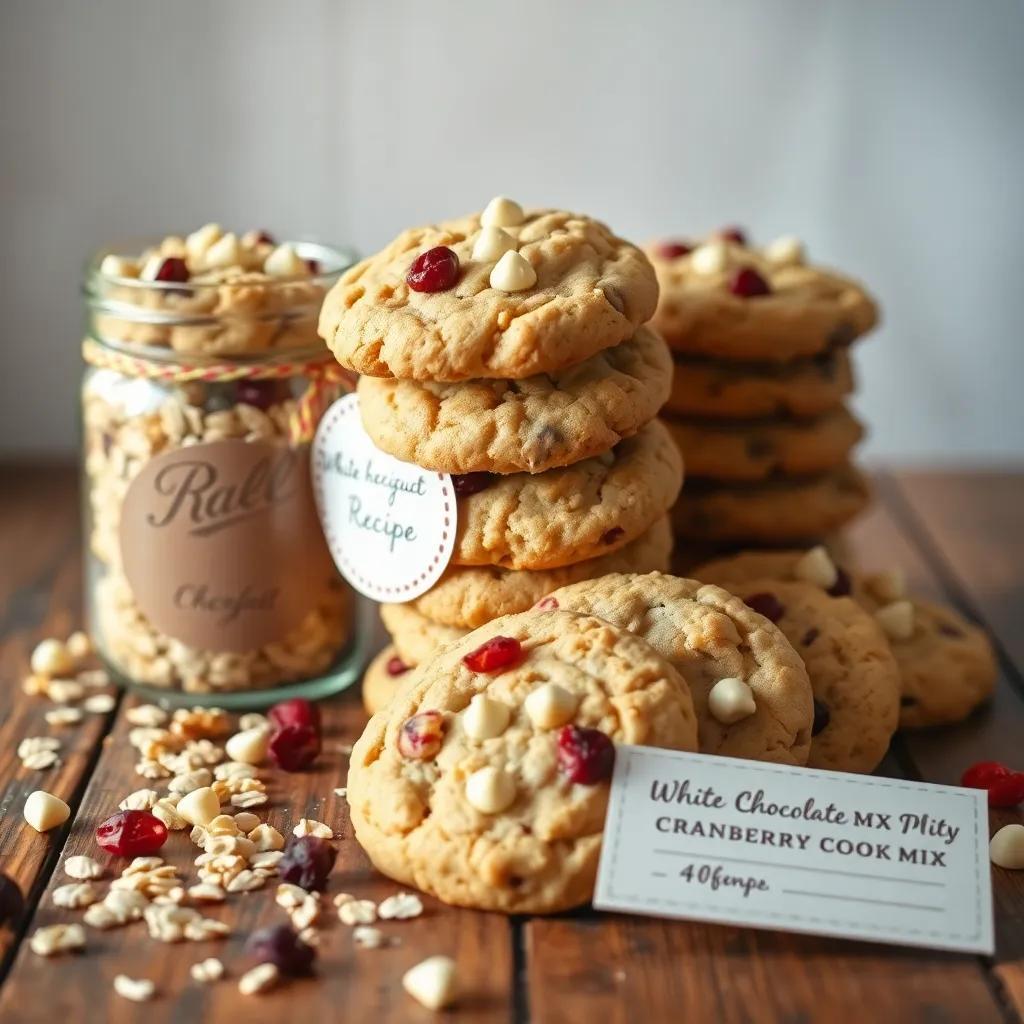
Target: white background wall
x,y
888,133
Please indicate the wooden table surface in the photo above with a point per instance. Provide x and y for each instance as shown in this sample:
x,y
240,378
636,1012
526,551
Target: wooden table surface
x,y
959,537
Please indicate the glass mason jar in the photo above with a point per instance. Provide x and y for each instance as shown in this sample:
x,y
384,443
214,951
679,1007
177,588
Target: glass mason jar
x,y
207,575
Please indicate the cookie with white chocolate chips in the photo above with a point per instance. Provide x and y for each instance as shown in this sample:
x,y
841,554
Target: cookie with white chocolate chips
x,y
764,712
486,781
947,666
515,426
502,294
727,299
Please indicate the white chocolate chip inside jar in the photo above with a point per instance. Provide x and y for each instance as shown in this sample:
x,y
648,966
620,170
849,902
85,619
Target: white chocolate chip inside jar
x,y
206,379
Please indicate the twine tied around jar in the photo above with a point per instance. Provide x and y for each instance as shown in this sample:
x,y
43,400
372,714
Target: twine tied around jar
x,y
326,378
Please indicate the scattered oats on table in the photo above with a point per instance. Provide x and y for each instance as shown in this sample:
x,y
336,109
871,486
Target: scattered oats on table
x,y
258,979
138,990
311,827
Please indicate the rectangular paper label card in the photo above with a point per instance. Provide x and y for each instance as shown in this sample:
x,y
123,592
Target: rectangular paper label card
x,y
795,849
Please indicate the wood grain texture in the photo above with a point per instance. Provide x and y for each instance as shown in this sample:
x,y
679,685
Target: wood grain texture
x,y
40,594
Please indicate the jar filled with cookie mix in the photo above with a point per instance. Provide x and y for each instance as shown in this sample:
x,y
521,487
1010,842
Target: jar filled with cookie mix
x,y
207,572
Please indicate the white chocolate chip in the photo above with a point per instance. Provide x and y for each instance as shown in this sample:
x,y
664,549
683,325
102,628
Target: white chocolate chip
x,y
44,811
887,586
199,241
502,212
225,252
817,567
248,746
710,258
492,243
550,706
787,251
284,261
513,273
432,982
731,700
210,969
1007,847
267,838
259,979
199,807
311,827
51,658
118,266
897,619
82,868
485,718
490,790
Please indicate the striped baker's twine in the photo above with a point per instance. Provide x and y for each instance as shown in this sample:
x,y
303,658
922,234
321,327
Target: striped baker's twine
x,y
326,378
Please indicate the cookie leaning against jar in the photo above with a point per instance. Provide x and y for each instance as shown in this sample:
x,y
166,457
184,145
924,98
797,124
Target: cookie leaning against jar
x,y
725,298
486,781
947,666
215,293
500,294
750,689
514,426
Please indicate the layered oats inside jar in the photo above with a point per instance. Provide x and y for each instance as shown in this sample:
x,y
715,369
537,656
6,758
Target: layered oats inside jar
x,y
207,572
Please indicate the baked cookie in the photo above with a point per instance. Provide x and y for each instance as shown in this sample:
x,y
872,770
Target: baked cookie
x,y
710,636
485,782
510,426
467,597
776,511
416,638
757,449
947,666
726,299
383,678
568,515
591,291
732,390
854,676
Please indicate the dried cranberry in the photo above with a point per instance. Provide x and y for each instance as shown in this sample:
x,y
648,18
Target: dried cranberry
x,y
734,234
421,736
131,834
281,946
396,667
265,238
546,604
843,584
495,655
294,711
672,250
586,756
172,268
612,535
810,636
294,748
12,903
767,605
262,393
435,270
466,484
907,702
947,630
1005,786
822,716
307,862
747,283
313,266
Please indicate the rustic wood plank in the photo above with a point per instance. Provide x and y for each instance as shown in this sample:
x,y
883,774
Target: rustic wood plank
x,y
40,595
971,525
363,984
611,966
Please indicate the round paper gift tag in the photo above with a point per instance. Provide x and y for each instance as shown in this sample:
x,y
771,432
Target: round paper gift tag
x,y
390,525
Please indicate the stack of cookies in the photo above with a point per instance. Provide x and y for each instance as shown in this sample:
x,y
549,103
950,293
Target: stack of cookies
x,y
760,342
508,349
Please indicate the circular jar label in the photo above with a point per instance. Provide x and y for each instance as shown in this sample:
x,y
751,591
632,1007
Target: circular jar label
x,y
390,525
221,545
